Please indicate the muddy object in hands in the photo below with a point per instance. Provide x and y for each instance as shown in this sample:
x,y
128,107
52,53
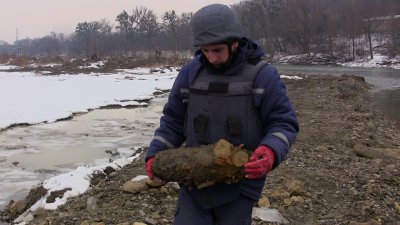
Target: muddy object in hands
x,y
202,166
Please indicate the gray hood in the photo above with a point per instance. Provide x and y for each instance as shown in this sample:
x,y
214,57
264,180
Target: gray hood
x,y
213,24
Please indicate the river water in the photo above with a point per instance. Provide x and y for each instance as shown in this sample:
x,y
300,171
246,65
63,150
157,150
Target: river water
x,y
385,96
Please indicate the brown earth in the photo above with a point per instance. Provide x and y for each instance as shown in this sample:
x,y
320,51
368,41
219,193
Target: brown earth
x,y
58,65
343,169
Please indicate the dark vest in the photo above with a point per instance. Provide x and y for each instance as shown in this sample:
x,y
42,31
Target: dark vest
x,y
221,106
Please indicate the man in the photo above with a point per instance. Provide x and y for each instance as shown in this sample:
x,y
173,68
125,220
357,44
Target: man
x,y
228,92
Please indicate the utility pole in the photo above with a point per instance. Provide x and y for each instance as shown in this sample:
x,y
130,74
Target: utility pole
x,y
16,34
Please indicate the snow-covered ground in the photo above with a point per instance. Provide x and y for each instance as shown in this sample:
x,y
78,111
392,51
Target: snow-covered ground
x,y
29,98
379,61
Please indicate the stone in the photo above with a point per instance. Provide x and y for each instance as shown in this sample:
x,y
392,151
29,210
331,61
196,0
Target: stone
x,y
156,215
18,207
117,202
85,222
153,184
297,199
295,187
142,213
279,193
91,205
287,201
264,202
150,221
134,186
371,222
397,207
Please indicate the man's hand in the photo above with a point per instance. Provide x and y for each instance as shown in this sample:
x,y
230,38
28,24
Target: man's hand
x,y
260,163
150,173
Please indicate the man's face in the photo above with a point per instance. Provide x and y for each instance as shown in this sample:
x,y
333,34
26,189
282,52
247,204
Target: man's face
x,y
217,54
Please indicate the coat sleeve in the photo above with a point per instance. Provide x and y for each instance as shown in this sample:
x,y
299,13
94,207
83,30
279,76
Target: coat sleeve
x,y
170,134
277,113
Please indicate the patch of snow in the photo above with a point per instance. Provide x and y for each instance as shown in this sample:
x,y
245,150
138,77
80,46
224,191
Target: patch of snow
x,y
378,61
7,67
93,65
76,181
25,95
291,77
139,178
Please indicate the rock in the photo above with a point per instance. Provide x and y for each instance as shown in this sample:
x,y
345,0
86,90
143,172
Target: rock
x,y
371,222
41,214
264,202
117,202
153,184
297,199
109,170
91,205
174,187
18,207
287,201
397,207
141,212
138,223
390,167
134,186
129,204
389,201
156,215
150,221
377,153
124,223
269,215
85,222
279,193
295,187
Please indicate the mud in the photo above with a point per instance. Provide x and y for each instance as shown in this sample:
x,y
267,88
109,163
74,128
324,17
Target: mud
x,y
325,180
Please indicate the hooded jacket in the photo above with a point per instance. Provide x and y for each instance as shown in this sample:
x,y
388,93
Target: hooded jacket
x,y
276,113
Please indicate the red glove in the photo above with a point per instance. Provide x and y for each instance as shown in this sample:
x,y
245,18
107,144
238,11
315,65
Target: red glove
x,y
260,163
150,173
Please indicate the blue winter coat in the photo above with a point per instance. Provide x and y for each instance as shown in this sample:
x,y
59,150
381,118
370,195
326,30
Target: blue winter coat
x,y
276,111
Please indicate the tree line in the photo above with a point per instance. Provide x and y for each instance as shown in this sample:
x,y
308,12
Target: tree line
x,y
344,28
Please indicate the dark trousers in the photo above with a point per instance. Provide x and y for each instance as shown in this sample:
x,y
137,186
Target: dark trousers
x,y
189,212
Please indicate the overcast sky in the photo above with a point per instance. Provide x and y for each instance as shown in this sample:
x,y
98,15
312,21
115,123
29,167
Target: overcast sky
x,y
37,18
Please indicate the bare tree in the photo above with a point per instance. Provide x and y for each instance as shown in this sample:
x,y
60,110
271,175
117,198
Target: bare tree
x,y
145,24
88,32
370,23
170,24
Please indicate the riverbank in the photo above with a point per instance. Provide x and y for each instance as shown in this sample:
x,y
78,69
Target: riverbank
x,y
379,61
343,169
58,65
